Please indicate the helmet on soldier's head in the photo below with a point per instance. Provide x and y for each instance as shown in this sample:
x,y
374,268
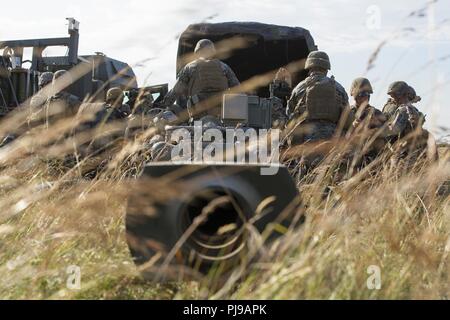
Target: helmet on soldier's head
x,y
360,86
45,78
412,95
205,48
398,88
114,94
318,59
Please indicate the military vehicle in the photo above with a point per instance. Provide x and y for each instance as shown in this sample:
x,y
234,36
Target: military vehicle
x,y
205,223
19,77
208,219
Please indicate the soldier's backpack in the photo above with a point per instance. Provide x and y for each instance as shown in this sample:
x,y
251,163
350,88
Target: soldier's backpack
x,y
208,78
322,101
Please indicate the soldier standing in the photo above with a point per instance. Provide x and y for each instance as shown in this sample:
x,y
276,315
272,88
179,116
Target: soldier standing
x,y
200,80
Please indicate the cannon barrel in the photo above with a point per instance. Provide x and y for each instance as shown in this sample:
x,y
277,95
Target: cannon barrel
x,y
207,218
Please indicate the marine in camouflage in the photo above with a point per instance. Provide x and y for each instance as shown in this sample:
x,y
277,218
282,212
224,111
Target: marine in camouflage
x,y
115,109
297,104
407,119
303,128
362,111
201,78
398,91
280,91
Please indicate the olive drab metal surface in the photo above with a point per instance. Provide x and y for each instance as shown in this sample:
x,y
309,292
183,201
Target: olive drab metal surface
x,y
235,198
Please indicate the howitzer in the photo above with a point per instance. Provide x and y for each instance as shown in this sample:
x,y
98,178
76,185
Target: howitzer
x,y
220,198
19,82
206,215
187,214
209,219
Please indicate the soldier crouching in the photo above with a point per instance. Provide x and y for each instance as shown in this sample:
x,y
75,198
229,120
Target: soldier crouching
x,y
316,107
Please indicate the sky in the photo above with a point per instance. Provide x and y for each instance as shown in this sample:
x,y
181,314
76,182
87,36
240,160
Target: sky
x,y
413,36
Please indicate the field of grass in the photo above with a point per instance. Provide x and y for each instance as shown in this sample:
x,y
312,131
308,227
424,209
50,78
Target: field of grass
x,y
380,217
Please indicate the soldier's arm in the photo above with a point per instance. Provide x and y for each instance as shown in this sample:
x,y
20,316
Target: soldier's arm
x,y
398,125
179,89
231,76
296,96
378,118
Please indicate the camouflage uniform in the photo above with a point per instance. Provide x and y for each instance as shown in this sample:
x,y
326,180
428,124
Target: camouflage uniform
x,y
296,105
362,111
115,109
194,72
407,118
406,133
317,129
396,89
279,116
280,91
389,108
314,119
403,116
376,117
367,119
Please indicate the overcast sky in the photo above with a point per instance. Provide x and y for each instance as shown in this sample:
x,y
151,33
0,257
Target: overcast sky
x,y
416,34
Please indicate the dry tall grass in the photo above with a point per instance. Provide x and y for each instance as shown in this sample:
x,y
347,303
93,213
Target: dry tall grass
x,y
54,218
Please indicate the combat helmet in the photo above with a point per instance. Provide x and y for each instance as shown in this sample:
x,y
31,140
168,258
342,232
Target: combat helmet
x,y
318,59
205,48
398,88
45,78
360,86
114,94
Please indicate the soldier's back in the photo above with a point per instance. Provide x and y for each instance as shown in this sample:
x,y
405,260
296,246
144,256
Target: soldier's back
x,y
389,108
